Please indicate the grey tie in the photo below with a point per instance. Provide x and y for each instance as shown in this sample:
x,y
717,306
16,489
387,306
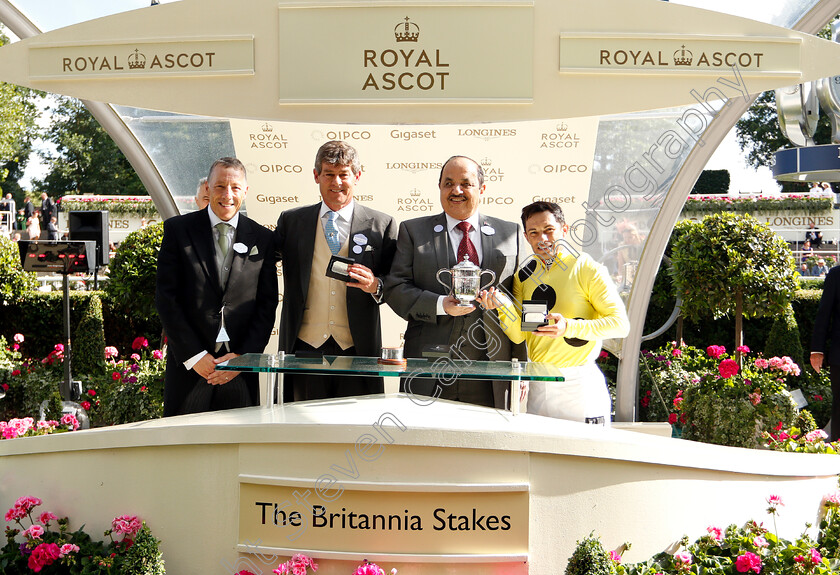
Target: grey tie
x,y
224,240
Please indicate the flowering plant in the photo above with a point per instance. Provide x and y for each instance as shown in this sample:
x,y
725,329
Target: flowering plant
x,y
794,440
27,427
38,547
752,204
751,549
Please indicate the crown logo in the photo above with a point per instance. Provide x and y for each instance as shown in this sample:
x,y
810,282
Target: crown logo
x,y
414,193
136,61
486,163
267,128
562,127
683,57
407,32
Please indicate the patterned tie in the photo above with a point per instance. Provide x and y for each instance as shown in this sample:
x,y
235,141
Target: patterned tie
x,y
332,233
466,247
224,240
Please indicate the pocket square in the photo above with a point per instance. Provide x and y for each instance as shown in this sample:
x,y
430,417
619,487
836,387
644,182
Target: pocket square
x,y
254,251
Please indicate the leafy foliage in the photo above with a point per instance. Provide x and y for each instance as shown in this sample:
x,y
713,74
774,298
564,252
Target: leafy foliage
x,y
86,160
784,337
590,558
712,182
752,205
131,285
14,282
724,255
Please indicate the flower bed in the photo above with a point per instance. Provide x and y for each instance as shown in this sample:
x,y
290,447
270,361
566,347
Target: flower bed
x,y
753,204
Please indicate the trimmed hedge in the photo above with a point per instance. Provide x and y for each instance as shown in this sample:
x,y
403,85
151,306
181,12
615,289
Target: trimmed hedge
x,y
712,182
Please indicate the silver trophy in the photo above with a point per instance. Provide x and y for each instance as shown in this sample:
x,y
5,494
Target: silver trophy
x,y
465,281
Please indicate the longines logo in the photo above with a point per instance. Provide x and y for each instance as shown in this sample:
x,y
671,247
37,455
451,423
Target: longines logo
x,y
487,134
139,61
681,57
409,69
414,201
266,138
561,137
413,167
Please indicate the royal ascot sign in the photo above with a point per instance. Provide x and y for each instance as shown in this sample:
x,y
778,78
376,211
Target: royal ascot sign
x,y
408,53
220,57
464,62
668,54
411,521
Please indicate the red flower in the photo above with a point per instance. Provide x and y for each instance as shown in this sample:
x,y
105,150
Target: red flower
x,y
86,405
16,372
91,392
728,368
139,343
672,418
5,387
116,376
817,397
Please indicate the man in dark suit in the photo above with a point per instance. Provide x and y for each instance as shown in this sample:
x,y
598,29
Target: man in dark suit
x,y
216,297
428,244
47,210
325,315
825,341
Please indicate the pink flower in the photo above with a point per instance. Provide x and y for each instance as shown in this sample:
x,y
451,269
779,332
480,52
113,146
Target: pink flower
x,y
67,549
715,351
775,501
683,560
748,562
46,517
43,555
110,352
776,362
832,499
755,398
139,343
676,352
816,435
70,420
15,347
135,357
128,525
728,368
760,542
615,556
715,533
158,354
33,532
761,363
742,349
18,337
59,348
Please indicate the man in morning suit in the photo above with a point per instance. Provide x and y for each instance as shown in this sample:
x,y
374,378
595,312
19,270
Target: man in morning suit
x,y
216,297
325,315
825,342
434,317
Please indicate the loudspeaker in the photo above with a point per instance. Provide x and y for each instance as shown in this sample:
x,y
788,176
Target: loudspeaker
x,y
57,257
92,226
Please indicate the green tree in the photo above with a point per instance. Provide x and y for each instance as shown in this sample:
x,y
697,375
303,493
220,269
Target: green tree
x,y
730,263
86,159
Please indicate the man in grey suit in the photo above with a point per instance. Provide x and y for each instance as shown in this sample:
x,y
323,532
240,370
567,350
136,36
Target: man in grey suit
x,y
434,317
323,315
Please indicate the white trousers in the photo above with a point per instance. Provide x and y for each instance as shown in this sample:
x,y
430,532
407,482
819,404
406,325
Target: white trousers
x,y
583,396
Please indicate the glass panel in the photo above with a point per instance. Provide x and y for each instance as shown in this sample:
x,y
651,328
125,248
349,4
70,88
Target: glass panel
x,y
783,13
51,14
445,369
181,147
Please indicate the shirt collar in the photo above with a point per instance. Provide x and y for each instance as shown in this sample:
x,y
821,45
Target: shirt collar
x,y
345,213
214,219
452,222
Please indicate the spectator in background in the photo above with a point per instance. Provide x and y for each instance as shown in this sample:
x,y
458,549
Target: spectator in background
x,y
47,208
28,209
813,235
827,187
804,270
20,223
820,269
33,227
8,207
202,194
52,229
807,252
815,187
16,237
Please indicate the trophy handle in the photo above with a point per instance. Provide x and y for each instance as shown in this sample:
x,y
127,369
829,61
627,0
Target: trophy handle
x,y
448,286
492,279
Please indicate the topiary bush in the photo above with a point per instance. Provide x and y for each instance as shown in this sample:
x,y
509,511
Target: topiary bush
x,y
590,558
14,282
783,339
132,276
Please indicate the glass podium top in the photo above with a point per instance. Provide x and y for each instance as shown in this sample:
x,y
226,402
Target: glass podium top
x,y
443,368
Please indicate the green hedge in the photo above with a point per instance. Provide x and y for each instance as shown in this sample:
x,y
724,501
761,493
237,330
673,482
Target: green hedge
x,y
712,182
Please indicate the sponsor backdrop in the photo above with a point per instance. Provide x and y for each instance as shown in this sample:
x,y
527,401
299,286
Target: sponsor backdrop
x,y
523,162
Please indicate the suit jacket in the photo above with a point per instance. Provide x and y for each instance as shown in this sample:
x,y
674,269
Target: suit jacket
x,y
295,243
412,289
189,298
826,335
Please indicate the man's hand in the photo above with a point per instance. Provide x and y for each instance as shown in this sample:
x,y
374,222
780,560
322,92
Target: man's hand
x,y
451,307
205,366
365,280
219,377
556,329
817,360
492,298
